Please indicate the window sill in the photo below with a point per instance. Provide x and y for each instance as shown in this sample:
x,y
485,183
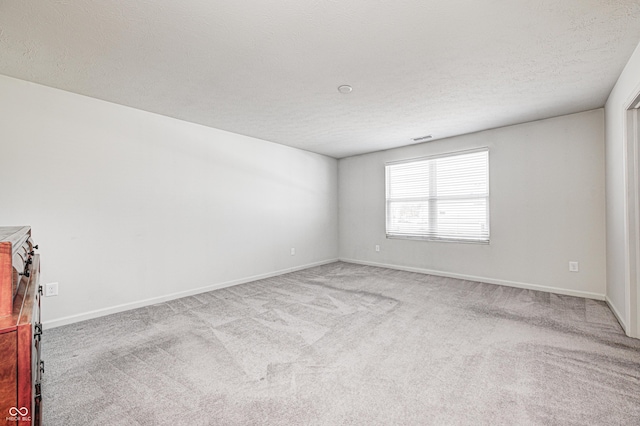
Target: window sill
x,y
438,240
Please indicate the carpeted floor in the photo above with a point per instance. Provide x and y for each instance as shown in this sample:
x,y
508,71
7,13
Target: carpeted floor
x,y
345,344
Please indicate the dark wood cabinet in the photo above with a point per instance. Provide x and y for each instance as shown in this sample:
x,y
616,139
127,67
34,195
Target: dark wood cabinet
x,y
20,329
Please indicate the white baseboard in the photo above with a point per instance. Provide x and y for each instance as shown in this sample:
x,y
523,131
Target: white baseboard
x,y
528,286
619,317
159,299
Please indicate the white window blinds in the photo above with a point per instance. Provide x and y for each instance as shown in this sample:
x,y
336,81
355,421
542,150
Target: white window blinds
x,y
442,198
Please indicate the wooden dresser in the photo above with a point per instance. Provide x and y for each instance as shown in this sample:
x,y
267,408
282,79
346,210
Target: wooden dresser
x,y
20,329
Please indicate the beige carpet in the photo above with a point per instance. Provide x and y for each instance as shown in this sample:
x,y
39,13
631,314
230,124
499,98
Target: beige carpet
x,y
345,344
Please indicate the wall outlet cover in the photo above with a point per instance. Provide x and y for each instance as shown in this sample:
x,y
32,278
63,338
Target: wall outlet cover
x,y
573,267
51,289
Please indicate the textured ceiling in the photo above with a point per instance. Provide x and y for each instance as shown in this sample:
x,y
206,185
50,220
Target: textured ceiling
x,y
270,69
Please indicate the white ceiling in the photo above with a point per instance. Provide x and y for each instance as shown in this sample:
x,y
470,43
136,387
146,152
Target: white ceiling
x,y
270,69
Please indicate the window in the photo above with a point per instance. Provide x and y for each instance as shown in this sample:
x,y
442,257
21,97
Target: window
x,y
441,198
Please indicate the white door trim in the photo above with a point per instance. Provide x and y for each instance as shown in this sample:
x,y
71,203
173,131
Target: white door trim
x,y
632,217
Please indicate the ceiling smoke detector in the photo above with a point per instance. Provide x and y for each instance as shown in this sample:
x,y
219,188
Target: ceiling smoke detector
x,y
344,89
422,138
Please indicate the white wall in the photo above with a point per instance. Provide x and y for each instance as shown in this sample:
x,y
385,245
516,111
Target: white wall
x,y
547,208
129,206
627,87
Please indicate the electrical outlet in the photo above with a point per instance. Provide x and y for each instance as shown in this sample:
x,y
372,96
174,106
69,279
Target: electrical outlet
x,y
293,251
51,289
377,247
573,267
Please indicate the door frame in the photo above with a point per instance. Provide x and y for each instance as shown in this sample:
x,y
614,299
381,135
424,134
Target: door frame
x,y
632,216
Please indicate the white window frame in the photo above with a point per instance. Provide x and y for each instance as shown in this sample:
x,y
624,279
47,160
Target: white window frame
x,y
432,233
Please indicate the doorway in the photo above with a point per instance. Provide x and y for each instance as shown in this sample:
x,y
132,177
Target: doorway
x,y
632,284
